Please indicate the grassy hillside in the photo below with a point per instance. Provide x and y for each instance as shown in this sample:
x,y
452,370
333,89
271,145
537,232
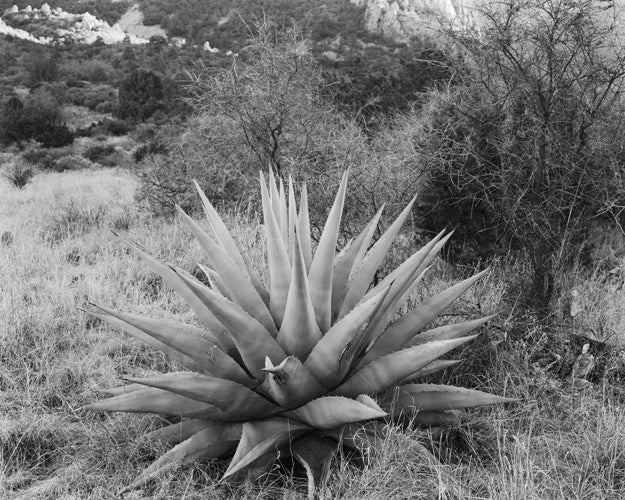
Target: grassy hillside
x,y
565,439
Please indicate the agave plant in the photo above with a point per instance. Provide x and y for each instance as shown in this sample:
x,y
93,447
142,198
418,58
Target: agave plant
x,y
297,366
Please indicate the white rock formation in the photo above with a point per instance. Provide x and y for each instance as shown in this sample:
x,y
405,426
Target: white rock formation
x,y
178,41
81,28
207,47
404,19
21,34
332,56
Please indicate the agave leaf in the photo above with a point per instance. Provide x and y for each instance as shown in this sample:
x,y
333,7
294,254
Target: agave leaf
x,y
303,227
258,468
290,383
320,275
345,263
181,339
363,275
416,263
214,281
278,205
174,280
251,338
398,294
203,444
177,433
220,231
260,437
332,411
152,400
452,331
278,257
225,239
292,219
386,371
274,195
435,397
398,335
232,277
122,389
325,358
299,331
181,358
405,278
368,401
434,367
283,218
315,454
236,400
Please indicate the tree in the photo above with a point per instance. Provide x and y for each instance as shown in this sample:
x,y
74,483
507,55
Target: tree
x,y
267,111
140,95
39,119
525,146
42,66
272,95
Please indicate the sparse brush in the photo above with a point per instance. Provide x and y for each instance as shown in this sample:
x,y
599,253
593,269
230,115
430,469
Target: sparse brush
x,y
294,368
18,173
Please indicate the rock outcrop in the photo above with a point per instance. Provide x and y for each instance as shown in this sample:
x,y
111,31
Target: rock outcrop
x,y
405,19
21,34
60,26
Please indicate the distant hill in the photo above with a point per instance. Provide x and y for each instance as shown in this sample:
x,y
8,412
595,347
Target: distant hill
x,y
367,72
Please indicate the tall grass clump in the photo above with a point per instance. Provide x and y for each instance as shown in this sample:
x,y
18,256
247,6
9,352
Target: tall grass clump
x,y
18,173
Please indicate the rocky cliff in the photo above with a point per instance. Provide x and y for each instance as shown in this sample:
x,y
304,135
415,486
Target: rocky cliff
x,y
53,25
404,19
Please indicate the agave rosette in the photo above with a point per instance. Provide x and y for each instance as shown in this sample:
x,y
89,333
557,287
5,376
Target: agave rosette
x,y
297,366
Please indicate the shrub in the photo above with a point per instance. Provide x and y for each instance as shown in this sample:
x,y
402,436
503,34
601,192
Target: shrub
x,y
99,153
154,147
92,96
55,136
39,119
40,157
72,218
270,112
520,164
94,71
72,162
42,67
105,107
18,173
116,127
140,95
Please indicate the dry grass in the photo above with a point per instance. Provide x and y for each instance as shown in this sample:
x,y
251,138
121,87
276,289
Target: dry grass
x,y
565,440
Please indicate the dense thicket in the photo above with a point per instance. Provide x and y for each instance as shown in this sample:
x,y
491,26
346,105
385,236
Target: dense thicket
x,y
268,111
525,148
39,119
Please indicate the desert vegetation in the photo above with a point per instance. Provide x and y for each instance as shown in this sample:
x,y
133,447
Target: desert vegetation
x,y
511,137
